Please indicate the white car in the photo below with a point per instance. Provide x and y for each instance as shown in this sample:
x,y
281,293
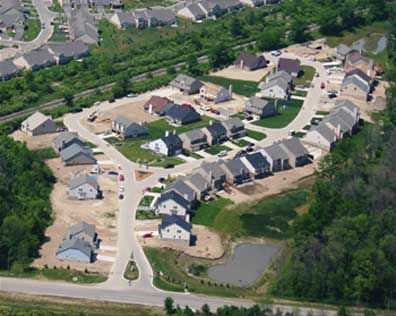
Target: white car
x,y
276,53
205,108
122,189
132,95
97,103
223,153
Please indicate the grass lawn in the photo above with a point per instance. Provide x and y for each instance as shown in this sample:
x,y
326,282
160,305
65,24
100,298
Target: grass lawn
x,y
56,7
307,75
146,200
131,272
300,93
241,87
284,117
203,122
215,149
55,274
240,142
206,213
133,4
255,135
192,154
240,115
146,215
32,29
156,190
299,134
322,112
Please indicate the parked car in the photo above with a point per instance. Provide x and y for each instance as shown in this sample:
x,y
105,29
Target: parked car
x,y
147,189
276,53
240,154
132,95
186,105
223,153
113,173
215,111
121,196
122,178
111,100
322,85
169,166
61,129
97,103
205,108
148,235
317,75
161,180
122,189
249,118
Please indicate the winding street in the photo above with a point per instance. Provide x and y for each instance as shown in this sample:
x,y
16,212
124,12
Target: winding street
x,y
142,291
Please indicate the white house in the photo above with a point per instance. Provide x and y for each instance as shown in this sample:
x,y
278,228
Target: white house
x,y
175,228
322,136
171,203
38,124
170,145
211,93
83,187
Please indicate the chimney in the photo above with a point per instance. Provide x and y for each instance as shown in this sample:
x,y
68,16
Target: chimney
x,y
211,122
166,133
230,90
174,132
150,109
339,130
185,196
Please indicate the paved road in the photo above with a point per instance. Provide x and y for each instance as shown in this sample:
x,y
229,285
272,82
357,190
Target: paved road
x,y
142,291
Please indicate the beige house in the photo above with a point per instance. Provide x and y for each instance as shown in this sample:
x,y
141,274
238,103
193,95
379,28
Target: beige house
x,y
38,124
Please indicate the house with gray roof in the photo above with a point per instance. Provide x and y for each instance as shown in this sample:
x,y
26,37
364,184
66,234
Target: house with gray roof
x,y
66,139
200,183
123,20
356,84
276,156
182,115
64,52
83,187
235,128
257,164
160,16
183,189
215,133
77,155
250,62
127,129
291,66
175,228
194,140
341,51
172,203
277,85
253,3
38,124
260,107
213,172
297,153
83,231
35,59
83,27
75,249
193,11
8,70
322,136
236,171
349,107
186,84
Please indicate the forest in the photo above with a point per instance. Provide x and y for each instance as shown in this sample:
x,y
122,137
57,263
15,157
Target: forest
x,y
25,211
344,248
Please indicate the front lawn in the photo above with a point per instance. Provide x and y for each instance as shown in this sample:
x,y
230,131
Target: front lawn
x,y
146,200
240,142
255,135
32,29
307,74
241,87
206,213
300,93
215,149
287,111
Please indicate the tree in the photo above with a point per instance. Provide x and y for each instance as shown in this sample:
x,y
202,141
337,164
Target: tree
x,y
219,56
236,27
269,39
193,66
121,86
68,97
342,311
168,305
298,30
205,310
328,22
188,311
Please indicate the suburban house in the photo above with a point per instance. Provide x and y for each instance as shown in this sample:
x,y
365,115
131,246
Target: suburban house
x,y
75,249
194,12
236,171
213,172
276,156
83,187
83,27
215,133
341,51
186,84
200,183
194,140
7,70
36,59
183,189
291,66
156,104
207,8
356,84
257,164
170,145
252,3
235,128
83,231
66,139
123,20
175,228
354,60
210,93
277,85
172,203
38,124
77,155
247,61
65,52
348,107
322,136
297,153
181,115
260,107
125,128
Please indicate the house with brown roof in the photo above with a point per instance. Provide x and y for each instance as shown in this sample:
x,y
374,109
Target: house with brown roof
x,y
156,104
247,61
291,66
355,60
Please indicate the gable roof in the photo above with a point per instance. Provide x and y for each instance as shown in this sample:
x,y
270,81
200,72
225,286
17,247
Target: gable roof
x,y
36,120
69,49
194,135
275,152
182,114
157,103
189,81
7,68
250,60
289,65
39,57
326,132
173,195
77,244
180,186
233,123
75,149
343,49
174,219
65,137
83,178
198,181
172,141
280,74
161,14
216,129
359,73
236,167
81,227
257,160
258,102
213,169
293,146
280,82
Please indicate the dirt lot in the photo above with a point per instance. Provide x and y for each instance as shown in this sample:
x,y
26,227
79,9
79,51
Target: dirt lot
x,y
309,50
233,72
208,244
34,142
279,182
102,213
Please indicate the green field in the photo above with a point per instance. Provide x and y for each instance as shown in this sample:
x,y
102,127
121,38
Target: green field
x,y
255,135
215,149
241,87
284,117
32,29
307,74
206,213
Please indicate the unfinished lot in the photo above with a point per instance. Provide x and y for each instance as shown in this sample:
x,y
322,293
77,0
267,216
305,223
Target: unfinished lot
x,y
36,142
310,49
233,72
67,212
208,244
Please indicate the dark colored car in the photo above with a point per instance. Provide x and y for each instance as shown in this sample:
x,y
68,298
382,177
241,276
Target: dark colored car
x,y
111,100
169,166
121,196
161,180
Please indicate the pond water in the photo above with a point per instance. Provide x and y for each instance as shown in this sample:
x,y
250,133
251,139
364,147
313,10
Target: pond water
x,y
247,264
